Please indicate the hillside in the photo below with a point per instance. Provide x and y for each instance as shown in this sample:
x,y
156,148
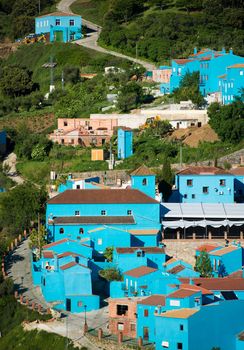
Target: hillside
x,y
159,30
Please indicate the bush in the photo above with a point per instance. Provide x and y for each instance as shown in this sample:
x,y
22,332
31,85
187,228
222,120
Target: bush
x,y
111,274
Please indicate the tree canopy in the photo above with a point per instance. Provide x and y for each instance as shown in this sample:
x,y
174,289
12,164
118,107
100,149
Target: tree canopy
x,y
203,264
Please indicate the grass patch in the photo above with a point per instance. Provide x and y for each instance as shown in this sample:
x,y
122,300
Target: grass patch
x,y
37,172
92,10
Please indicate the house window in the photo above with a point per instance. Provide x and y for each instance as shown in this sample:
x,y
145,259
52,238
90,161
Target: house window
x,y
120,326
129,212
44,281
71,22
185,196
77,213
179,346
181,327
99,241
47,23
174,302
165,344
146,313
81,231
61,230
78,187
72,141
193,196
79,303
144,182
205,189
222,182
57,22
122,310
65,124
62,141
241,72
132,327
103,212
189,182
139,253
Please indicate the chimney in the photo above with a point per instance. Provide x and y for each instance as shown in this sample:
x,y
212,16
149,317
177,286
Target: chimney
x,y
223,50
231,51
70,176
195,50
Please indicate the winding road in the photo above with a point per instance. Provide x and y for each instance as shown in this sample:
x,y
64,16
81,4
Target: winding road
x,y
91,42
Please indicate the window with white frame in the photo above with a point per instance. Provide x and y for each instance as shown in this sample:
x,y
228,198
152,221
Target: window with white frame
x,y
129,212
47,22
241,72
120,326
99,241
103,212
71,22
165,344
77,213
57,22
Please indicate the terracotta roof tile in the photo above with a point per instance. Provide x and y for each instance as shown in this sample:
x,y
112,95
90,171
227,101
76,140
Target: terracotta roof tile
x,y
112,196
143,170
236,274
181,313
196,288
71,264
48,254
156,299
86,220
153,250
64,254
206,247
237,65
176,269
140,271
183,61
223,251
237,171
61,241
224,284
149,232
182,293
170,261
203,170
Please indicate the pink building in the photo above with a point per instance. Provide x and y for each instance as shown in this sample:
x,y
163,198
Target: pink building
x,y
83,131
162,75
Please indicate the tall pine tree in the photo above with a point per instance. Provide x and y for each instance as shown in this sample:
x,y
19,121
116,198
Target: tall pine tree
x,y
203,265
166,180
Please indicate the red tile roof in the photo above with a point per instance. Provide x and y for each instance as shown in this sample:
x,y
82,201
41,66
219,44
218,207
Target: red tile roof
x,y
225,284
203,170
150,232
180,313
48,254
85,220
236,274
154,250
102,196
237,65
176,269
222,76
71,264
237,171
206,247
62,255
50,245
143,170
196,288
140,271
170,261
155,299
182,293
223,251
59,14
125,128
182,61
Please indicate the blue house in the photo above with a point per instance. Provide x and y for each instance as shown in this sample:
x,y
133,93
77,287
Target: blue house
x,y
62,266
74,183
204,185
125,142
3,142
231,83
62,27
238,184
200,328
132,217
143,179
131,257
180,269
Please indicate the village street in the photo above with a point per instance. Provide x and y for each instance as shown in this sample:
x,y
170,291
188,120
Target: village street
x,y
91,41
19,269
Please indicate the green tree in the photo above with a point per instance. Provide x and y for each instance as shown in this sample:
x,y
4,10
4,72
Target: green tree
x,y
111,274
130,96
38,240
71,75
228,121
109,253
203,264
21,206
16,81
166,180
38,152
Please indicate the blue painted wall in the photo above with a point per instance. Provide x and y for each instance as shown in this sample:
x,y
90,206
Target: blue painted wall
x,y
3,141
194,193
125,143
144,184
231,83
227,263
69,26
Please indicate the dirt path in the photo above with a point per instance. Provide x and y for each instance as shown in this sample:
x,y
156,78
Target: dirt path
x,y
9,163
91,41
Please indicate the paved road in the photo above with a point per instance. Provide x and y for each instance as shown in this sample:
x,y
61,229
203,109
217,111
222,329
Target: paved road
x,y
10,162
91,41
18,268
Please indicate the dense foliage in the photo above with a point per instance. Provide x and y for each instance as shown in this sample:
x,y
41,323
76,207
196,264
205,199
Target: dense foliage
x,y
111,274
169,29
203,265
228,121
165,179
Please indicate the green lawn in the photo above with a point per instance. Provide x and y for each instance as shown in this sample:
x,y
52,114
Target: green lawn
x,y
92,10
